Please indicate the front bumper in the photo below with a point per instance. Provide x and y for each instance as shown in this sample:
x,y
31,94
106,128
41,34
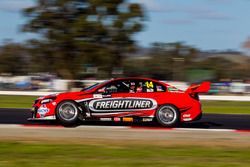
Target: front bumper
x,y
34,118
48,118
33,112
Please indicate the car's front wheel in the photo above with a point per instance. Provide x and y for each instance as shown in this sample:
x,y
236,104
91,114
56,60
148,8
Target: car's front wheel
x,y
67,113
167,115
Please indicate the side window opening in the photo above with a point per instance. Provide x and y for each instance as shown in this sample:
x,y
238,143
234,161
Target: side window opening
x,y
123,87
115,87
132,86
160,88
150,86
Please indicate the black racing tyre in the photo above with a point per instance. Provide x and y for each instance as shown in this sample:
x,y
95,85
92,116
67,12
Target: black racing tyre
x,y
67,113
167,115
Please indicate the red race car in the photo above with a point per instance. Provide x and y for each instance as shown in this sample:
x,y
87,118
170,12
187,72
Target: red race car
x,y
123,99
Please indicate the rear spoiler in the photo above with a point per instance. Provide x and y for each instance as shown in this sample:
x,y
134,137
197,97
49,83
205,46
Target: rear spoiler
x,y
202,88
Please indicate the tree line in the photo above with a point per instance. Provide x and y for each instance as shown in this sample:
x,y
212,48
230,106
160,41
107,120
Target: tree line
x,y
73,35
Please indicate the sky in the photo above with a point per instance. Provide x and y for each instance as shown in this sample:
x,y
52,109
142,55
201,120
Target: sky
x,y
205,24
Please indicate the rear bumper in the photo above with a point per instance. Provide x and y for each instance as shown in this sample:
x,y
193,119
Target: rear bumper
x,y
192,113
198,117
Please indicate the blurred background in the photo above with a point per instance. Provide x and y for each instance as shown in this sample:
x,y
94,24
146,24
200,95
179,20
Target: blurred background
x,y
48,46
64,45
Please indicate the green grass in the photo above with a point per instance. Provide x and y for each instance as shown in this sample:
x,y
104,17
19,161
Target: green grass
x,y
65,155
226,107
223,107
12,101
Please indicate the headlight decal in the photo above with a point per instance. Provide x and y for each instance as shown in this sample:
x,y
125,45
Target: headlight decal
x,y
48,100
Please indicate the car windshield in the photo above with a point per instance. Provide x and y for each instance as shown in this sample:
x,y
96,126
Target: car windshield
x,y
93,86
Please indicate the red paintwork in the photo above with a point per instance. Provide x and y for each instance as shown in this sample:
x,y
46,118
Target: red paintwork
x,y
189,107
203,88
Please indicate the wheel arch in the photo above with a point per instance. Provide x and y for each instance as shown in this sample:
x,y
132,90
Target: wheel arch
x,y
172,105
62,120
78,105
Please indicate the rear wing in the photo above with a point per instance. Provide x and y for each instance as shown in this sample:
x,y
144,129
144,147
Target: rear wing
x,y
202,88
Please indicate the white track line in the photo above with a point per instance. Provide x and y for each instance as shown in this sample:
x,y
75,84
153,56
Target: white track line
x,y
10,126
19,126
103,127
200,129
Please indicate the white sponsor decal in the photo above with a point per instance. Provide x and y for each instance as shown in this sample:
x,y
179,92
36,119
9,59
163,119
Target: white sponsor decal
x,y
105,119
97,95
122,104
43,110
186,115
187,119
147,119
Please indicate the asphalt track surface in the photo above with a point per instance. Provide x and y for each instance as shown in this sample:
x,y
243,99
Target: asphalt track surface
x,y
208,121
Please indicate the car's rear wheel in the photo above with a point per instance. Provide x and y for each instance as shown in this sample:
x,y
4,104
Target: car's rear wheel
x,y
67,113
167,115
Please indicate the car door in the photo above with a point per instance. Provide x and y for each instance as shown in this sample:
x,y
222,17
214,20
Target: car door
x,y
142,92
119,98
108,99
149,89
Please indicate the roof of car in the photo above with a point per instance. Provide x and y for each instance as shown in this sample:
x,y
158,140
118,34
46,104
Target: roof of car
x,y
142,78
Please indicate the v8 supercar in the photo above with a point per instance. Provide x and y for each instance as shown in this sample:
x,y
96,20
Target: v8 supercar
x,y
123,99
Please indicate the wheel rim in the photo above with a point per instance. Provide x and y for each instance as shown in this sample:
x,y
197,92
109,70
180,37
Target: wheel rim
x,y
68,111
167,115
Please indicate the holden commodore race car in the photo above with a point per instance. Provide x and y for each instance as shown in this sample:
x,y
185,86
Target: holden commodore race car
x,y
123,99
